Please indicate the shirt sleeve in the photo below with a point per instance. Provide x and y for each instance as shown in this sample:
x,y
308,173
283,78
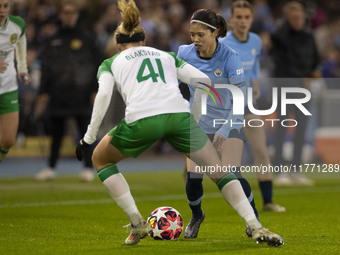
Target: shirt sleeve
x,y
101,103
191,75
21,53
234,70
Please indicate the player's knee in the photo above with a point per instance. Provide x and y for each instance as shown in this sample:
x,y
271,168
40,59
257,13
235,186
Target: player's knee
x,y
95,159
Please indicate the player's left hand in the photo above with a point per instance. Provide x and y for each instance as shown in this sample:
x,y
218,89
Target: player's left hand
x,y
24,77
256,91
82,146
256,94
218,142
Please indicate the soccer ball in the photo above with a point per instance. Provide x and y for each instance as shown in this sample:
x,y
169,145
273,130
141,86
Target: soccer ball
x,y
166,222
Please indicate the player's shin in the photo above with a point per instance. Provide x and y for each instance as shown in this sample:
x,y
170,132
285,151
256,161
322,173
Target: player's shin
x,y
119,190
233,193
247,190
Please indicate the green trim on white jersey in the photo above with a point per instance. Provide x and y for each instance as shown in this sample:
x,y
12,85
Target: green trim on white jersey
x,y
19,21
10,35
106,66
179,62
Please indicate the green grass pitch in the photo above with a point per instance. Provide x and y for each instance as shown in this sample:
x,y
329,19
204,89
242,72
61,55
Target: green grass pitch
x,y
67,216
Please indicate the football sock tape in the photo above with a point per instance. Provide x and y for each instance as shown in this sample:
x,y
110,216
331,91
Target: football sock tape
x,y
225,179
107,171
194,190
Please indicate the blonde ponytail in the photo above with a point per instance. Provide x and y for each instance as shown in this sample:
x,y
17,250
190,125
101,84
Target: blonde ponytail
x,y
130,24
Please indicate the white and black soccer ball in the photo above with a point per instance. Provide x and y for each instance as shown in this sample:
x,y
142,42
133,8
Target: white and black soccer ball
x,y
166,222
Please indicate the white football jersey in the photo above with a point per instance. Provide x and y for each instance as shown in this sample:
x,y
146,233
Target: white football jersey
x,y
9,36
147,80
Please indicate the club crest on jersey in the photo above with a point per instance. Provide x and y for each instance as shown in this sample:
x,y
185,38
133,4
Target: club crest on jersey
x,y
253,51
13,39
76,44
218,72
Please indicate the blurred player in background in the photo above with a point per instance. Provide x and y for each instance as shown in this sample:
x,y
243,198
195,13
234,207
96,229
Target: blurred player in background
x,y
222,64
68,84
12,37
248,45
295,57
147,79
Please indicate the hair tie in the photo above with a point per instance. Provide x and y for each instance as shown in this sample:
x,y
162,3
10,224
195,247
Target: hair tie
x,y
202,22
123,38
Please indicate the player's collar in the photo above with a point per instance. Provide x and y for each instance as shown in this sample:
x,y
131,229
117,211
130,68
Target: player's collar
x,y
232,32
218,47
5,26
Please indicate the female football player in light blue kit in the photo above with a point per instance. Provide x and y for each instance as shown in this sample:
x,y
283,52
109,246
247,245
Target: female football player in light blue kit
x,y
248,46
222,64
12,38
147,79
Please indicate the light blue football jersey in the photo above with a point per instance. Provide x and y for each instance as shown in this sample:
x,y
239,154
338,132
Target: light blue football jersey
x,y
223,67
248,51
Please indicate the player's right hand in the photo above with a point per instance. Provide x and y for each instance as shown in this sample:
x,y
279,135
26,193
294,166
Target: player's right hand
x,y
3,66
82,146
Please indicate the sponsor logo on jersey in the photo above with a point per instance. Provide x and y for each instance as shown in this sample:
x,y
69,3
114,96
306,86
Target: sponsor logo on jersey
x,y
218,72
4,54
13,39
14,101
76,44
239,71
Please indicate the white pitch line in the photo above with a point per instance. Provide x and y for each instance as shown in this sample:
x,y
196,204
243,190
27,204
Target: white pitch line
x,y
288,191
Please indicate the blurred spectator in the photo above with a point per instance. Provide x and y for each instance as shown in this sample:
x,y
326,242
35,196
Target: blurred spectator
x,y
331,68
68,83
27,96
107,24
12,50
295,57
327,35
317,15
263,20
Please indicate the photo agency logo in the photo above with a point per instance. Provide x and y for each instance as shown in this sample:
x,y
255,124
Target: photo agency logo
x,y
211,96
238,106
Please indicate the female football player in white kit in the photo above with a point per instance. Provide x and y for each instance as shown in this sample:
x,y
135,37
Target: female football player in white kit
x,y
12,37
147,79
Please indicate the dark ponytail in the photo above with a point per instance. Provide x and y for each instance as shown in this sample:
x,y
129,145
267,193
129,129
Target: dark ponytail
x,y
222,26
